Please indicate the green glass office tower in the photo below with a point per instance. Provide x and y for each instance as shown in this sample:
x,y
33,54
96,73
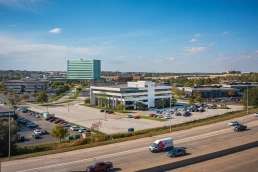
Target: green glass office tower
x,y
83,69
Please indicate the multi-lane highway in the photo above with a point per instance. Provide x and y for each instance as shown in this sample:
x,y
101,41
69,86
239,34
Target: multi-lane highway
x,y
134,155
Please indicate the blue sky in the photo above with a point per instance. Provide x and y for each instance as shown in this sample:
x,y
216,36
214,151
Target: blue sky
x,y
130,35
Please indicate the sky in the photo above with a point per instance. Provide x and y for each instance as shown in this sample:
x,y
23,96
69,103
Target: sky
x,y
130,35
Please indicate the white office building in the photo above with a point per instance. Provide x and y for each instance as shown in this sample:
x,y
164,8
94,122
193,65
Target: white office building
x,y
141,91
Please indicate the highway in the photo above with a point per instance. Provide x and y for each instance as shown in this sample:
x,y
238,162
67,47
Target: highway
x,y
134,155
242,161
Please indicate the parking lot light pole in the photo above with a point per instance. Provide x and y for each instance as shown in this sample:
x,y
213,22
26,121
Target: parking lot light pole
x,y
170,113
247,97
9,154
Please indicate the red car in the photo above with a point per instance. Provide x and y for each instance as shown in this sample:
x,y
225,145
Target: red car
x,y
100,166
136,117
109,112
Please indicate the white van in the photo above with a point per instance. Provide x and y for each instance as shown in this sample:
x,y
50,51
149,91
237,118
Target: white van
x,y
162,144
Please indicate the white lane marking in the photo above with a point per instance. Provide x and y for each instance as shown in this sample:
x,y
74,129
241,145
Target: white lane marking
x,y
137,150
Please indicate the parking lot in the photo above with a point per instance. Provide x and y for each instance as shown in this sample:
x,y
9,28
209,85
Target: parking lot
x,y
86,116
28,132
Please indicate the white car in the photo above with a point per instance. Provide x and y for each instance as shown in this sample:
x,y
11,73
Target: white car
x,y
82,130
233,123
75,128
66,125
167,117
256,114
37,131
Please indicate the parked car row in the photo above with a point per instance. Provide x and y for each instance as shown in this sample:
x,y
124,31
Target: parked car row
x,y
80,129
56,120
107,111
26,122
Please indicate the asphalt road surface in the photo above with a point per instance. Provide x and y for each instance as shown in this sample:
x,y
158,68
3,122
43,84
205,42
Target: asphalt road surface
x,y
134,155
246,161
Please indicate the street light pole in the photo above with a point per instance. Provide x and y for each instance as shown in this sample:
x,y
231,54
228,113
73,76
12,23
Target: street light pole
x,y
170,112
68,107
9,135
247,100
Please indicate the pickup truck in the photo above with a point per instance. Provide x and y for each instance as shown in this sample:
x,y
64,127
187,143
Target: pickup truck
x,y
100,166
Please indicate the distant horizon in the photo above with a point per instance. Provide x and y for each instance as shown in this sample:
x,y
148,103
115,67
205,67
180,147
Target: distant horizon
x,y
130,35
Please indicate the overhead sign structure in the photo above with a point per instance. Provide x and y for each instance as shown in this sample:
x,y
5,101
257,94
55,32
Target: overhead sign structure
x,y
129,89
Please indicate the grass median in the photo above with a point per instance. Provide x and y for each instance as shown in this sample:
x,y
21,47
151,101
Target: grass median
x,y
105,139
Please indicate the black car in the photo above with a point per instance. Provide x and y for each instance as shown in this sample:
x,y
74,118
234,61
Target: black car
x,y
102,110
240,127
176,152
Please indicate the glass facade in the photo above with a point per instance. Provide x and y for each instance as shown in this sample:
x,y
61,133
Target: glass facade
x,y
83,69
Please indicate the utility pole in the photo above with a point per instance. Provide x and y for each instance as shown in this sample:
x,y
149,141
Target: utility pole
x,y
9,135
247,99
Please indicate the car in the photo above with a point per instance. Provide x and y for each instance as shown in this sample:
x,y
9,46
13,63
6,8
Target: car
x,y
176,152
75,128
84,130
159,116
110,112
44,132
178,113
52,120
233,123
136,117
168,117
102,110
256,114
187,113
240,127
37,131
151,115
129,116
66,125
100,166
33,125
36,136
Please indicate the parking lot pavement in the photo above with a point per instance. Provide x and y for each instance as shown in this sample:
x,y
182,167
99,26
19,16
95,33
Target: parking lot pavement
x,y
86,116
42,124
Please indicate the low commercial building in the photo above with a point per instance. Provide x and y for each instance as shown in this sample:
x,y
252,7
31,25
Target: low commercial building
x,y
29,85
146,92
209,92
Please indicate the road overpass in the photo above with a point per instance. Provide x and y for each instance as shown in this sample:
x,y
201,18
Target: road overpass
x,y
134,155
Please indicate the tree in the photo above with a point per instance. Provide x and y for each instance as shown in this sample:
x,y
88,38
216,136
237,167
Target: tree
x,y
5,92
231,92
35,95
14,99
252,97
175,90
87,101
25,96
4,137
42,97
182,93
59,132
120,107
140,105
95,126
190,100
199,99
173,101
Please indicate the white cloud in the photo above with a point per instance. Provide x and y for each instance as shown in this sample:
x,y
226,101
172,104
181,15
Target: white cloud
x,y
27,5
22,49
225,33
210,45
107,42
171,58
193,40
193,50
197,35
140,57
55,30
13,25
